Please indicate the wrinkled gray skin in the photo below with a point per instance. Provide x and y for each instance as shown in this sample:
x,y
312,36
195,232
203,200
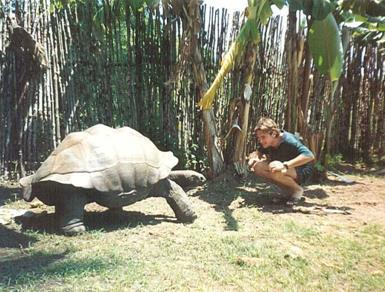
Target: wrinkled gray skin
x,y
187,178
67,186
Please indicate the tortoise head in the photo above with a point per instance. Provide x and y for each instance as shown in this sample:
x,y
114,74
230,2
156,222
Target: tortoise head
x,y
197,178
187,178
26,188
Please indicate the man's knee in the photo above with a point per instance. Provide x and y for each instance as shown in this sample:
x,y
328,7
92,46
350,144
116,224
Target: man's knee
x,y
277,175
260,168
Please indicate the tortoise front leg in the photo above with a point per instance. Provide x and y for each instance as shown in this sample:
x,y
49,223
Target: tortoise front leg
x,y
176,198
70,212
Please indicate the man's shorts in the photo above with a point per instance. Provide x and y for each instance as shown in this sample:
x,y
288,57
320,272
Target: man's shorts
x,y
304,173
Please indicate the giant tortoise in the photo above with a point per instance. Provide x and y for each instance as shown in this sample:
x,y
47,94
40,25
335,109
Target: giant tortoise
x,y
113,167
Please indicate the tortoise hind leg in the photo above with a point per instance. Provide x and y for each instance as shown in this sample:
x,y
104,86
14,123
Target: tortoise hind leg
x,y
176,198
70,212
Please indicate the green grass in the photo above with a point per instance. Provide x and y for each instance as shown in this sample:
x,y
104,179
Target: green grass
x,y
232,246
293,257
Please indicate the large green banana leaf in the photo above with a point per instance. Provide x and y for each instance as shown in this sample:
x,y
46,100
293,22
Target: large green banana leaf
x,y
318,9
326,47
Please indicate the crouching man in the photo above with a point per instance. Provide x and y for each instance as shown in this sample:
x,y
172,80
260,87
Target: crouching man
x,y
281,159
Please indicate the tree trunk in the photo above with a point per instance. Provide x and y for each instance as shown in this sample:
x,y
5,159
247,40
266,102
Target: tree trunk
x,y
241,136
292,60
192,19
213,151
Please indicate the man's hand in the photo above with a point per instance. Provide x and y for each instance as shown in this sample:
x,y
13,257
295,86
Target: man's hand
x,y
252,162
253,155
253,158
276,166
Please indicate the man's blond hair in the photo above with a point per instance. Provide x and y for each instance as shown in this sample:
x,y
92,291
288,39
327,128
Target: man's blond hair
x,y
267,125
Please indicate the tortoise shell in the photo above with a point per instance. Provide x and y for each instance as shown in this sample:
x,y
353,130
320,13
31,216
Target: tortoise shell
x,y
105,159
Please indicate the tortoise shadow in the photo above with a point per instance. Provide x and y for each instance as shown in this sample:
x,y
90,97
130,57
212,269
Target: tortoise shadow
x,y
103,220
12,239
113,220
9,194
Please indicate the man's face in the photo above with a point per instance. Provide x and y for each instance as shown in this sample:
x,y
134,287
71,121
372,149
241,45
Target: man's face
x,y
265,139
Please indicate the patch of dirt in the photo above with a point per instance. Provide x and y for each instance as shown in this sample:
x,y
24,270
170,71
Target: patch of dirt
x,y
333,201
365,198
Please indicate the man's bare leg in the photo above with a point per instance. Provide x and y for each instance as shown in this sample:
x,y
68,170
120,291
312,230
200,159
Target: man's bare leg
x,y
286,181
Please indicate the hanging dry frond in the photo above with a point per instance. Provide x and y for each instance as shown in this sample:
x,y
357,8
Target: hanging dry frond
x,y
248,33
227,64
256,12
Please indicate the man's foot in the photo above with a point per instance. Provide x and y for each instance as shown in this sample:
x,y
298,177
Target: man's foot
x,y
294,201
296,197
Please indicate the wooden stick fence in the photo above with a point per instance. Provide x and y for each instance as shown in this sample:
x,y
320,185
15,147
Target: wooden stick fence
x,y
120,67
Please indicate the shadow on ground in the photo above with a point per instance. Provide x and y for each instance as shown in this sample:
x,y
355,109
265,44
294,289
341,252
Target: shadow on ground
x,y
18,268
106,221
266,203
9,193
12,239
254,192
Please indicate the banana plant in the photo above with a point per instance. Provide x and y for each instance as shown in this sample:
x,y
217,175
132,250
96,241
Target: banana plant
x,y
258,12
326,47
323,35
365,19
327,59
